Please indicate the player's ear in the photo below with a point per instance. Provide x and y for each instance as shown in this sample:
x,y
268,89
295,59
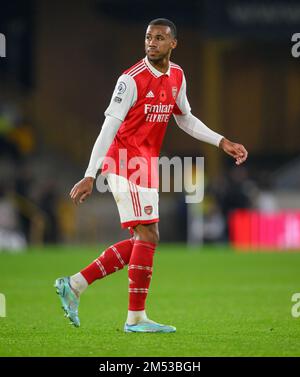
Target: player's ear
x,y
174,43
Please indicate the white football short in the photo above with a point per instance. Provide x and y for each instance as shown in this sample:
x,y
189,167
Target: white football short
x,y
136,204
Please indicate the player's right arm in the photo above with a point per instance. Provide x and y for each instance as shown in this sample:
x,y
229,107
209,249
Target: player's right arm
x,y
84,188
122,100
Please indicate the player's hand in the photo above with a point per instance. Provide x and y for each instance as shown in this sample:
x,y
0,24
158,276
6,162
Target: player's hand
x,y
237,151
82,190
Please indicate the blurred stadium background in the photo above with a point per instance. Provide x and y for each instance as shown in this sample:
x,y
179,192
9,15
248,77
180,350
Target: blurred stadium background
x,y
61,65
62,62
57,78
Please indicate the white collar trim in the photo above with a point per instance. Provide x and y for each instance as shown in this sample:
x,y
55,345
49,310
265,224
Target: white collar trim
x,y
154,70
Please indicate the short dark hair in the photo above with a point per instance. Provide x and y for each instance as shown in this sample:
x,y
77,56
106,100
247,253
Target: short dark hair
x,y
165,22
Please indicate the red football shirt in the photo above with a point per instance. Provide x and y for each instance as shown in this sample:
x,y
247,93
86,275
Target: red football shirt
x,y
144,100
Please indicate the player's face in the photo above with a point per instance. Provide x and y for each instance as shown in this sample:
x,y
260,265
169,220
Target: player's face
x,y
159,42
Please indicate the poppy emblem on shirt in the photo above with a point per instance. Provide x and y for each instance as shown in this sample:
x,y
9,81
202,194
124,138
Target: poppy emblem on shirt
x,y
162,95
174,91
148,210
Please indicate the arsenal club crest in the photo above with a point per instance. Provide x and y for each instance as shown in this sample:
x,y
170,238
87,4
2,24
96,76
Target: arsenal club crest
x,y
174,91
148,210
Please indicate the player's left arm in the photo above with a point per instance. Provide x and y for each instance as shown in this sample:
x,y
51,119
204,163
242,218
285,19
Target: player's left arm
x,y
197,129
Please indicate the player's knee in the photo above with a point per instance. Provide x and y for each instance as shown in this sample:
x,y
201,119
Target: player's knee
x,y
147,233
154,236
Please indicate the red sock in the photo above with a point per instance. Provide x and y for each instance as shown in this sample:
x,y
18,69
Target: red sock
x,y
111,260
140,273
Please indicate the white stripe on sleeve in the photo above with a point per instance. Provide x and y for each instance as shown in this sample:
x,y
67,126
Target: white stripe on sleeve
x,y
181,100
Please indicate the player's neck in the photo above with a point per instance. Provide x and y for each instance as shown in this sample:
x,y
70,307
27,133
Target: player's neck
x,y
161,65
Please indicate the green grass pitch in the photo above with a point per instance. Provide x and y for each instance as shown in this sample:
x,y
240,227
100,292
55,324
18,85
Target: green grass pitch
x,y
222,303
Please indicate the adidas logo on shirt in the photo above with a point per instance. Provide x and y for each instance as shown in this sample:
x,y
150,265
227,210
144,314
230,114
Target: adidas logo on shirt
x,y
150,94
